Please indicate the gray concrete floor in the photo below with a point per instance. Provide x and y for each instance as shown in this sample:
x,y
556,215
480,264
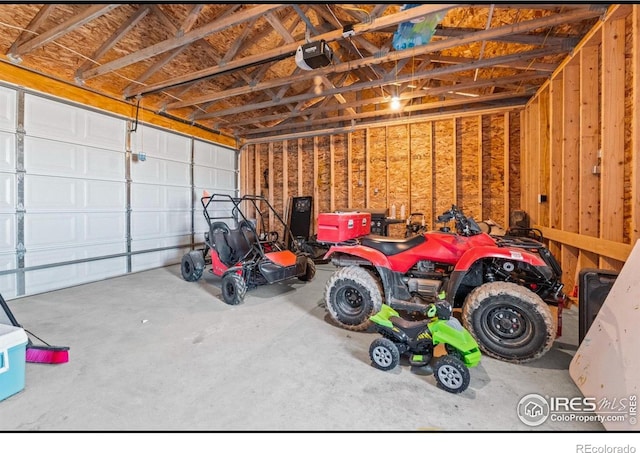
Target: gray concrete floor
x,y
151,352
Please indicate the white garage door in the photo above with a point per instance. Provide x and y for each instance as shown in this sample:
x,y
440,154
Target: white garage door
x,y
74,194
7,192
214,170
160,197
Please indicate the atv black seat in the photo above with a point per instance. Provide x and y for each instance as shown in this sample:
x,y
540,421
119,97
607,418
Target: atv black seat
x,y
411,328
391,246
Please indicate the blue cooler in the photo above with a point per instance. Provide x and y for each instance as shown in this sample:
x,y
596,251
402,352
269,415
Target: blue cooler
x,y
13,347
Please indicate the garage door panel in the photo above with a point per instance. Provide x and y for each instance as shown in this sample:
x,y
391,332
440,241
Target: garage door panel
x,y
7,152
44,280
46,157
7,192
8,281
7,233
52,230
44,256
151,197
44,193
160,224
159,144
154,171
211,155
63,122
7,109
151,260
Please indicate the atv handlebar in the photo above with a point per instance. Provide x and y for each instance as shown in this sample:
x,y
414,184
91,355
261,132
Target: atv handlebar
x,y
465,226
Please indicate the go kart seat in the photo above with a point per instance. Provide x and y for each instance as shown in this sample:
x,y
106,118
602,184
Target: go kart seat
x,y
219,234
242,240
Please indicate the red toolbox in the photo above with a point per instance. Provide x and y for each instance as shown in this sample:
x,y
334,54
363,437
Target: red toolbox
x,y
342,226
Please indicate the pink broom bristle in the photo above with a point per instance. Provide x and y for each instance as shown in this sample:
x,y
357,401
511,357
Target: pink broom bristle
x,y
47,354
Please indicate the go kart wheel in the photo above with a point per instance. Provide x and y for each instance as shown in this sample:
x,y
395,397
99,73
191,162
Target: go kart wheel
x,y
451,374
384,354
509,322
192,266
352,295
233,289
310,272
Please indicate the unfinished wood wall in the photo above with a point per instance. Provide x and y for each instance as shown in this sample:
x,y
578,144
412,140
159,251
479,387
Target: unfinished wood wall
x,y
471,161
580,148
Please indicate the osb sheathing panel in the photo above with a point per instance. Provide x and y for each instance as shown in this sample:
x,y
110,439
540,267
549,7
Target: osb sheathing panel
x,y
378,168
340,174
408,164
420,161
443,166
628,132
358,170
468,159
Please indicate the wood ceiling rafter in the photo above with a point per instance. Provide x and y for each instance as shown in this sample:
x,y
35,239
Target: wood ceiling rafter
x,y
230,67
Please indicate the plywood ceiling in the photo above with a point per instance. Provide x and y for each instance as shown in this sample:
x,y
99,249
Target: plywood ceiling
x,y
230,67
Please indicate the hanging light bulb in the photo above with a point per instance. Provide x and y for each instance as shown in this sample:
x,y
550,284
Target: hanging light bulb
x,y
395,103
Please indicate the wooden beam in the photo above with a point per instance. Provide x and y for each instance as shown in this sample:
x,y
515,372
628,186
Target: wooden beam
x,y
31,80
612,133
302,77
429,92
125,28
594,246
271,190
285,175
300,170
480,169
90,13
455,192
350,171
506,154
32,29
187,38
367,170
286,50
544,160
316,189
635,128
589,138
332,175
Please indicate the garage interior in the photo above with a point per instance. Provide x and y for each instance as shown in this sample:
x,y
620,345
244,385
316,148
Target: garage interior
x,y
115,119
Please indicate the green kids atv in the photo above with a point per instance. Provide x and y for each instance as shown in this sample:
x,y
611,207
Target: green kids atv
x,y
419,338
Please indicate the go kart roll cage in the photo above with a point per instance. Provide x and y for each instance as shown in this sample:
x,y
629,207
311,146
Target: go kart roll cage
x,y
219,202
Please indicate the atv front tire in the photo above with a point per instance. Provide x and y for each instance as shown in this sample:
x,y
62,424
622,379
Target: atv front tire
x,y
384,354
192,266
233,289
509,322
451,374
352,295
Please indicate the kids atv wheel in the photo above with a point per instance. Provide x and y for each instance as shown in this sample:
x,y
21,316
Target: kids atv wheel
x,y
451,374
233,289
384,354
310,272
192,266
352,295
509,322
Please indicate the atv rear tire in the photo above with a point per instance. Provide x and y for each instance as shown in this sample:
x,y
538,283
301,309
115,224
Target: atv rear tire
x,y
192,266
310,271
384,354
233,289
509,322
352,295
451,374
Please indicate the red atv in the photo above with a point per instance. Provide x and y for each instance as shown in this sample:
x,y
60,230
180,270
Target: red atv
x,y
502,284
242,251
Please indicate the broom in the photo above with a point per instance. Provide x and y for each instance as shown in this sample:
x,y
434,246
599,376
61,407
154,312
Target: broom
x,y
38,353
